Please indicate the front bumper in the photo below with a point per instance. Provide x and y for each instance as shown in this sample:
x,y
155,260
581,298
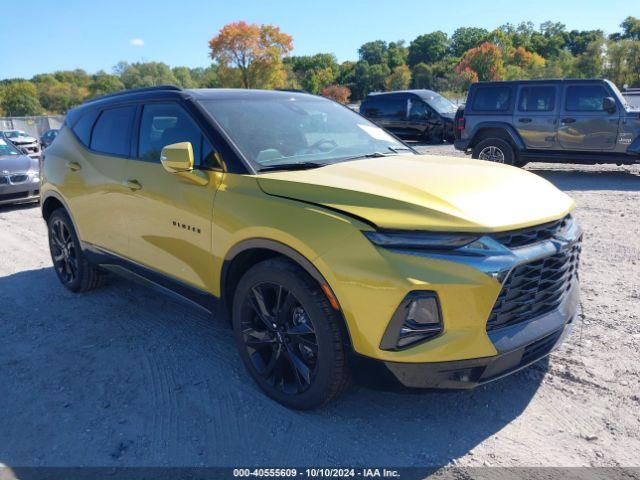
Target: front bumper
x,y
25,192
518,346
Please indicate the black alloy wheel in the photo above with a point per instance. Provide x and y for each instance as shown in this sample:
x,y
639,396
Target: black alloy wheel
x,y
279,338
289,336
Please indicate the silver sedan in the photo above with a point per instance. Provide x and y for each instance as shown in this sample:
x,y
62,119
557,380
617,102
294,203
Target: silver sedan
x,y
19,175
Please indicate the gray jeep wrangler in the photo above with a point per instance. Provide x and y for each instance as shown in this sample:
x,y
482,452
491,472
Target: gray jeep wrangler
x,y
567,121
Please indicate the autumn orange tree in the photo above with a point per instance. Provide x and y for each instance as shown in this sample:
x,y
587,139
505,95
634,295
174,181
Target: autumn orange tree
x,y
254,51
339,93
485,60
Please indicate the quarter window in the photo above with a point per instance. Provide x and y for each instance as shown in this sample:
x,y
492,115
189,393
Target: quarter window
x,y
83,127
492,99
585,98
112,132
163,124
537,99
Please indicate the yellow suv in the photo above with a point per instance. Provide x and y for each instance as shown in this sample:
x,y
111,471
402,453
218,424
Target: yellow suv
x,y
334,247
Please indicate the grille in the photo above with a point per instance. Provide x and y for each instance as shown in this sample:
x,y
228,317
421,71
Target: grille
x,y
527,236
13,196
535,288
19,178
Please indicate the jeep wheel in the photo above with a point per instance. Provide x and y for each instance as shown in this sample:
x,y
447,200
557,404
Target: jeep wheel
x,y
73,269
289,335
494,150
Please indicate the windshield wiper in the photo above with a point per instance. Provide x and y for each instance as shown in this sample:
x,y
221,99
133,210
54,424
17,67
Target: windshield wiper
x,y
291,166
397,149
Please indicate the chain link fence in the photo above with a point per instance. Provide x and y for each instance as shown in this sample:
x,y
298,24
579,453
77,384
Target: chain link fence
x,y
34,126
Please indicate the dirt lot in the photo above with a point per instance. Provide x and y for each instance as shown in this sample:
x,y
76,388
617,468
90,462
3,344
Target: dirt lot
x,y
127,377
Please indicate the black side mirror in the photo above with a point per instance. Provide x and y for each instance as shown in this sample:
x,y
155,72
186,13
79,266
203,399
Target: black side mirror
x,y
609,104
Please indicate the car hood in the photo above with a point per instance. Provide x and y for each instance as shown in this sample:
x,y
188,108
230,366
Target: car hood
x,y
21,140
17,164
422,192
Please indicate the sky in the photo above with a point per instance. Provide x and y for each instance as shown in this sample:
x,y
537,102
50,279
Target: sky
x,y
49,35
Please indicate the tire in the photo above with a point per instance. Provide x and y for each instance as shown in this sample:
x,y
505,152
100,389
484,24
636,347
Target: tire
x,y
495,150
69,262
289,336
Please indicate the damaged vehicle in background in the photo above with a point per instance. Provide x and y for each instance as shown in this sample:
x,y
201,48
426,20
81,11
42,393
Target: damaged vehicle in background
x,y
416,114
25,142
19,175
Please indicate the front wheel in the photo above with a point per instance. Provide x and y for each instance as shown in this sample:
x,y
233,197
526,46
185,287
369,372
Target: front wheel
x,y
289,336
495,150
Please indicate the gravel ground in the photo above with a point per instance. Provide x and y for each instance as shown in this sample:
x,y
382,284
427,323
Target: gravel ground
x,y
126,377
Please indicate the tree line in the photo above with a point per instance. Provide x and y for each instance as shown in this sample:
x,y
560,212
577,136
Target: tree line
x,y
258,56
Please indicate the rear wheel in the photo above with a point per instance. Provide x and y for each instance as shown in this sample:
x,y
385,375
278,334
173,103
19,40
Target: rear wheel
x,y
288,335
495,150
72,267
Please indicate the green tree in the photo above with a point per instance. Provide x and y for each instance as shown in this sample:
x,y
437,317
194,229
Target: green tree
x,y
148,74
422,75
314,72
591,63
373,53
183,77
20,99
630,28
397,54
578,40
465,38
104,83
400,79
428,48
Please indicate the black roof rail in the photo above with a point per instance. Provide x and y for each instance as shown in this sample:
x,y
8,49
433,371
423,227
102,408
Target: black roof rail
x,y
135,90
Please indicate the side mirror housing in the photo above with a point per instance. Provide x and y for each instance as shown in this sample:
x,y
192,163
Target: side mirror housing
x,y
609,104
177,158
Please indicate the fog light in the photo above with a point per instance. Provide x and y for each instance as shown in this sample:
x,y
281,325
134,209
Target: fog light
x,y
416,319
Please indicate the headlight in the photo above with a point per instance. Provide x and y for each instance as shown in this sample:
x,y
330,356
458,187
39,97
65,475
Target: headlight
x,y
420,240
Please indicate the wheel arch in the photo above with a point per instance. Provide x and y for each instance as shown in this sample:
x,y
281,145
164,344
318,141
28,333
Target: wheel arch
x,y
242,256
500,130
52,201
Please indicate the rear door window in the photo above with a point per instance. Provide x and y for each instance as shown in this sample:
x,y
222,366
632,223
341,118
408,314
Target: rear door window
x,y
492,99
537,99
585,98
112,132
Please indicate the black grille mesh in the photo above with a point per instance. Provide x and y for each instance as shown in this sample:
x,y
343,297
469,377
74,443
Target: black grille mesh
x,y
527,236
535,288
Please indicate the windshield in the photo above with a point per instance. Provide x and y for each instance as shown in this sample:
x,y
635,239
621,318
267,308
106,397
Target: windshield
x,y
439,103
633,99
297,130
7,149
15,133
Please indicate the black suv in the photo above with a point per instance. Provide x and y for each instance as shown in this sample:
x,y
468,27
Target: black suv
x,y
569,121
422,114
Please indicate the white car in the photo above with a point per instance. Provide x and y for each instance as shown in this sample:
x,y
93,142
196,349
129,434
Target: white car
x,y
25,142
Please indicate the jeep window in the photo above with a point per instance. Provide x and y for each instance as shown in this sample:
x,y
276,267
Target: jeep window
x,y
492,99
585,98
537,99
165,123
285,130
112,132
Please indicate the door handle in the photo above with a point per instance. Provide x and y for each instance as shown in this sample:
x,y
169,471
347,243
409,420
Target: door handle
x,y
568,120
133,184
524,120
73,166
